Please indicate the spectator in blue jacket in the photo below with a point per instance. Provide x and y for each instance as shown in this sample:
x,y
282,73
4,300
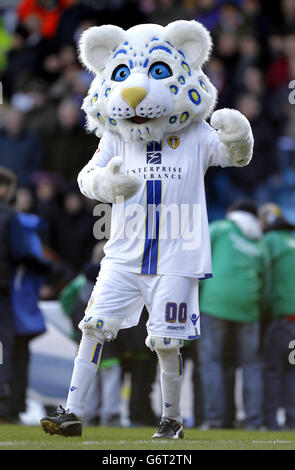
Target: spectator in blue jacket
x,y
27,316
13,243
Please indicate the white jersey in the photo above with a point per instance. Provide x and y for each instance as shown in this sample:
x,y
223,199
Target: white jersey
x,y
163,228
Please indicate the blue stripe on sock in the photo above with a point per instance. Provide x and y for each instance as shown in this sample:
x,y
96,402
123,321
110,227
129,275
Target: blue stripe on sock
x,y
96,353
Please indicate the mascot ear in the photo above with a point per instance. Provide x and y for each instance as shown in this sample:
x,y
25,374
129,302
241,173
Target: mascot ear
x,y
97,43
192,38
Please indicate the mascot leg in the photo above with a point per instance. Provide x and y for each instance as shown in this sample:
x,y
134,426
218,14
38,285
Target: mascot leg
x,y
85,369
171,369
95,333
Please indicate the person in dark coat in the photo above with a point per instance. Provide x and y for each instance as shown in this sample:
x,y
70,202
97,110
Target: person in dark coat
x,y
72,230
14,249
20,151
263,164
68,147
7,221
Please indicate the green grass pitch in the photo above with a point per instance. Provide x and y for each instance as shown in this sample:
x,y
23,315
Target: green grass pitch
x,y
102,438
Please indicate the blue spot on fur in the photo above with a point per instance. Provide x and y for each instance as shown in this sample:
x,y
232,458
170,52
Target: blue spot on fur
x,y
120,51
185,66
145,64
174,89
194,96
184,117
203,85
163,48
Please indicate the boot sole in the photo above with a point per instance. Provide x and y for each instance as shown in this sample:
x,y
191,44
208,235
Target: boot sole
x,y
179,436
72,430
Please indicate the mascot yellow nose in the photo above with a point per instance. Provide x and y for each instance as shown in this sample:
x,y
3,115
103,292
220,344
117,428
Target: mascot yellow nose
x,y
133,95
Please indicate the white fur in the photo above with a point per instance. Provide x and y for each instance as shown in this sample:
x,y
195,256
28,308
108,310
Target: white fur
x,y
182,45
235,133
193,38
96,45
107,184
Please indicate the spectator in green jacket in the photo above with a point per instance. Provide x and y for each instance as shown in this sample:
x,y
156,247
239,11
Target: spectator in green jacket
x,y
279,371
230,305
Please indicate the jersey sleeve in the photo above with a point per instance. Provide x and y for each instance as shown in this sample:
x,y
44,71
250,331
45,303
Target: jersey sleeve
x,y
104,153
213,152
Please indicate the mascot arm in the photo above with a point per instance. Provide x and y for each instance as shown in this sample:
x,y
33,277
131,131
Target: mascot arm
x,y
101,178
235,135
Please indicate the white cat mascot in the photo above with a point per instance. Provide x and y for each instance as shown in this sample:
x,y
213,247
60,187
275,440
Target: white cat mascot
x,y
148,102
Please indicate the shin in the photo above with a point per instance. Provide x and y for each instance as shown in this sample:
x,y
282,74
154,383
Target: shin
x,y
170,361
95,333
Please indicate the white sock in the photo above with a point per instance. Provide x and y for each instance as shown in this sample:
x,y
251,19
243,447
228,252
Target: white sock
x,y
85,369
171,379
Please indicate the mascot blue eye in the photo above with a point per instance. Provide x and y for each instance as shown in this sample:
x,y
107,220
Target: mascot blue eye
x,y
160,70
120,73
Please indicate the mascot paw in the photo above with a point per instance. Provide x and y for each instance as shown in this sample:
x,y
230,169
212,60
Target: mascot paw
x,y
111,184
235,133
231,124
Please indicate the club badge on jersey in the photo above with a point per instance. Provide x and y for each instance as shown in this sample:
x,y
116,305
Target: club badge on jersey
x,y
173,141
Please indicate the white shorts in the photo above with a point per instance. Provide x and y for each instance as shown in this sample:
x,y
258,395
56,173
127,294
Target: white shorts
x,y
172,301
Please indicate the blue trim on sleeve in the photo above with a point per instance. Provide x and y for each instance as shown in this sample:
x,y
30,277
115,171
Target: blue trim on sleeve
x,y
207,276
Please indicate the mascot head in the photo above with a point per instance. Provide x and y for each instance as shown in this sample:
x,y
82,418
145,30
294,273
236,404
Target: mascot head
x,y
148,79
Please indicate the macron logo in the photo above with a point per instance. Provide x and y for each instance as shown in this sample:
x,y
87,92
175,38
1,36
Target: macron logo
x,y
73,388
194,318
168,405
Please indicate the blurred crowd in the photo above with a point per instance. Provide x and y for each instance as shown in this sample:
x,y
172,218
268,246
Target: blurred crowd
x,y
43,141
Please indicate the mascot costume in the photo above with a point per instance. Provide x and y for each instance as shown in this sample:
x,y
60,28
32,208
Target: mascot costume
x,y
148,103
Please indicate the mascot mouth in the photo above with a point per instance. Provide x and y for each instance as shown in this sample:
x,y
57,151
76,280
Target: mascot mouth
x,y
139,120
